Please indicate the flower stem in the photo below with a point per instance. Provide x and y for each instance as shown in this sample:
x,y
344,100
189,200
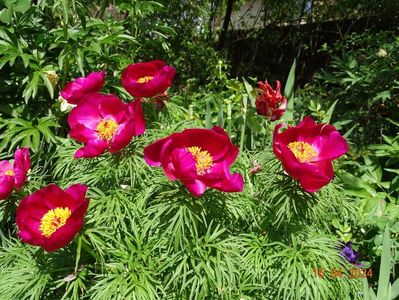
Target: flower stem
x,y
244,116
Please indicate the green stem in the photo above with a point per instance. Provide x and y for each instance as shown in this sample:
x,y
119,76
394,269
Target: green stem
x,y
65,72
102,9
251,187
133,27
228,119
244,116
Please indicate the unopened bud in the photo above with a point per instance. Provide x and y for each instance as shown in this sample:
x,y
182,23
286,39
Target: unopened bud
x,y
382,53
52,77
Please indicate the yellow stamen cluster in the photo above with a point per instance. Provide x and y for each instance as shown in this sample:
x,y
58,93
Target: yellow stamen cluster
x,y
106,129
203,159
10,172
303,151
53,220
144,79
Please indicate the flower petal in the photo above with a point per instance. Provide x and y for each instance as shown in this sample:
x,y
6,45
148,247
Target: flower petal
x,y
159,75
112,108
232,183
65,234
92,149
31,209
75,90
323,138
86,113
195,186
330,144
184,164
21,166
5,166
218,145
152,152
122,137
173,153
6,186
82,134
77,192
136,113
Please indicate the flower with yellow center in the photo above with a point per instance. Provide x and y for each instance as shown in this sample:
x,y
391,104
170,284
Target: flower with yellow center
x,y
145,79
53,220
9,172
303,151
203,160
106,129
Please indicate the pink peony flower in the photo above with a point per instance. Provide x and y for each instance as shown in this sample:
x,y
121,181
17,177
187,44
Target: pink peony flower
x,y
7,180
147,79
50,218
75,90
270,103
306,152
199,158
105,123
14,175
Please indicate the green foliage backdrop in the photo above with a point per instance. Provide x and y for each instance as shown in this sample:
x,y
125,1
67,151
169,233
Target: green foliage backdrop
x,y
146,237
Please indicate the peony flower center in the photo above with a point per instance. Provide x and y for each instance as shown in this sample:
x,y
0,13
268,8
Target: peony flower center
x,y
303,152
54,219
9,172
106,129
144,79
203,159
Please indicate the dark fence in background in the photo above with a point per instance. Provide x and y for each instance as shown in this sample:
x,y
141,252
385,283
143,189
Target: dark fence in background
x,y
268,53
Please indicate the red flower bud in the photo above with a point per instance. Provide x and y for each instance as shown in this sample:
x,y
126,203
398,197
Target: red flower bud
x,y
270,103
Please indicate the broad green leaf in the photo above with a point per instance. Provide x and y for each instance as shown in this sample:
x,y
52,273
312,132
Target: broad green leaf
x,y
208,112
392,121
335,223
289,93
396,171
385,266
253,123
249,89
372,205
79,61
65,12
10,3
366,289
35,140
328,114
5,15
48,85
372,294
220,113
385,95
357,183
395,289
21,6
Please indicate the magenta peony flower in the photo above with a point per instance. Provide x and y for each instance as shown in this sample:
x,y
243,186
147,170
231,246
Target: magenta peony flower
x,y
105,123
306,152
147,79
21,166
7,180
75,90
14,175
270,103
50,218
199,158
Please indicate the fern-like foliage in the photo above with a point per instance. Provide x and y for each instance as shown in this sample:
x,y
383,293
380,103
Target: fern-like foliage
x,y
146,237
